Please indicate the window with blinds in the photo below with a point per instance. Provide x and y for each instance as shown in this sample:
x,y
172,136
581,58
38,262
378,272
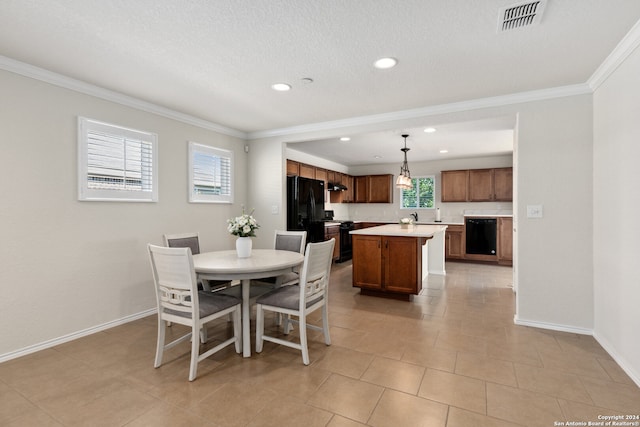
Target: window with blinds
x,y
116,163
210,174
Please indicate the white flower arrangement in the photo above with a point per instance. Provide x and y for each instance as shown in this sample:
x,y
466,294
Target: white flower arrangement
x,y
406,221
244,225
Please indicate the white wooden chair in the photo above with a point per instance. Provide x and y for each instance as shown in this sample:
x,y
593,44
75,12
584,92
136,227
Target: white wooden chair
x,y
300,300
192,241
179,301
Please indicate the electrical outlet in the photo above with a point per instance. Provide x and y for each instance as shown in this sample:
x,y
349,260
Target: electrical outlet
x,y
534,211
274,210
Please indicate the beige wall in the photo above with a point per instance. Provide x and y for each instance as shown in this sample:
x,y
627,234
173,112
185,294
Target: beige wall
x,y
69,266
616,205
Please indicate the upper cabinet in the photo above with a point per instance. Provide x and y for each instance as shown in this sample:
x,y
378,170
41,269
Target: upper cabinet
x,y
478,185
307,171
455,186
293,168
380,188
373,189
503,184
359,189
481,185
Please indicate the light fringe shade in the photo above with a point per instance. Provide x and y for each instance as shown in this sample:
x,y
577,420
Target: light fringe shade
x,y
404,179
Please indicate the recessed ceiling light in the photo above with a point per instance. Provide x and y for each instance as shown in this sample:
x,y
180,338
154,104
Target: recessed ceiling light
x,y
384,63
281,87
377,157
444,151
345,139
430,130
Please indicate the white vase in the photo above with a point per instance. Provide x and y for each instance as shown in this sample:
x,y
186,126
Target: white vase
x,y
243,247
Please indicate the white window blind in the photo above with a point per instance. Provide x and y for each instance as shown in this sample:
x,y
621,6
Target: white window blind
x,y
116,163
210,174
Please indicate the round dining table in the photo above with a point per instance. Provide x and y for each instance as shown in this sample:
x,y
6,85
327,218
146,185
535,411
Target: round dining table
x,y
225,265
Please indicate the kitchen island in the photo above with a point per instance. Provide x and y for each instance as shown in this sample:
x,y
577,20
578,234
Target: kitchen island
x,y
389,260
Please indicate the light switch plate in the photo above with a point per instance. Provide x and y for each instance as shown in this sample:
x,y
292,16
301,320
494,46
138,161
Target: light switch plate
x,y
534,211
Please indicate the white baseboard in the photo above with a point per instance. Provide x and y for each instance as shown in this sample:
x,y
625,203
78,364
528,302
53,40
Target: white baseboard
x,y
75,335
551,326
621,361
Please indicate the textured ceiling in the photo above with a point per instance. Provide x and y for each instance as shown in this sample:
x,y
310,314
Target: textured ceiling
x,y
216,60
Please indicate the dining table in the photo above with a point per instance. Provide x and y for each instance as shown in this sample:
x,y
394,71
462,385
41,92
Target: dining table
x,y
226,265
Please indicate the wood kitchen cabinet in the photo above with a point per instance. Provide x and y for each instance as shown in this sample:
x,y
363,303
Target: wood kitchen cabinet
x,y
503,184
505,240
347,195
307,171
454,186
387,265
491,185
361,189
293,168
373,189
380,188
481,185
343,196
333,232
454,242
477,185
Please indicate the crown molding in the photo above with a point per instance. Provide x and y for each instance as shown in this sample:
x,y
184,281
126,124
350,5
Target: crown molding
x,y
496,101
56,79
621,52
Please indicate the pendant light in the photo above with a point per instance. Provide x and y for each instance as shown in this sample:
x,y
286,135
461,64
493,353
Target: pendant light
x,y
404,179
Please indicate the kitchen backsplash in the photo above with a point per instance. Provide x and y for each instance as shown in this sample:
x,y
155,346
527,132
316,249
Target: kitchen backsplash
x,y
449,212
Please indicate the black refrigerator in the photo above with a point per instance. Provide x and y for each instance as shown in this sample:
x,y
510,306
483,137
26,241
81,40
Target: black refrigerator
x,y
305,207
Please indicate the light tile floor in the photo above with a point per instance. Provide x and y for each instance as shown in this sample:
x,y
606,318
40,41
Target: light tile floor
x,y
451,357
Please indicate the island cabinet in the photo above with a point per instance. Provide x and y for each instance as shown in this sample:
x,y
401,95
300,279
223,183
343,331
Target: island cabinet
x,y
505,240
388,265
454,242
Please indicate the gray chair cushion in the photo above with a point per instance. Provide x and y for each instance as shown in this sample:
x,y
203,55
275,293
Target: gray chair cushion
x,y
285,297
187,242
288,242
210,304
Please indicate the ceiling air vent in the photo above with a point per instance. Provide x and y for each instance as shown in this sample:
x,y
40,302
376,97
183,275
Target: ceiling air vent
x,y
520,15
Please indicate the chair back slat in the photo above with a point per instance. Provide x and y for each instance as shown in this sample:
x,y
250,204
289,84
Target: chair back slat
x,y
316,269
174,277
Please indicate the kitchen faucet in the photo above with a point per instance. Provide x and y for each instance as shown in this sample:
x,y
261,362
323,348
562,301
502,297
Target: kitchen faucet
x,y
415,216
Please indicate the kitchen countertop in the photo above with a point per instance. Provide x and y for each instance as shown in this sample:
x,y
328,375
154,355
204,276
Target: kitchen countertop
x,y
415,230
